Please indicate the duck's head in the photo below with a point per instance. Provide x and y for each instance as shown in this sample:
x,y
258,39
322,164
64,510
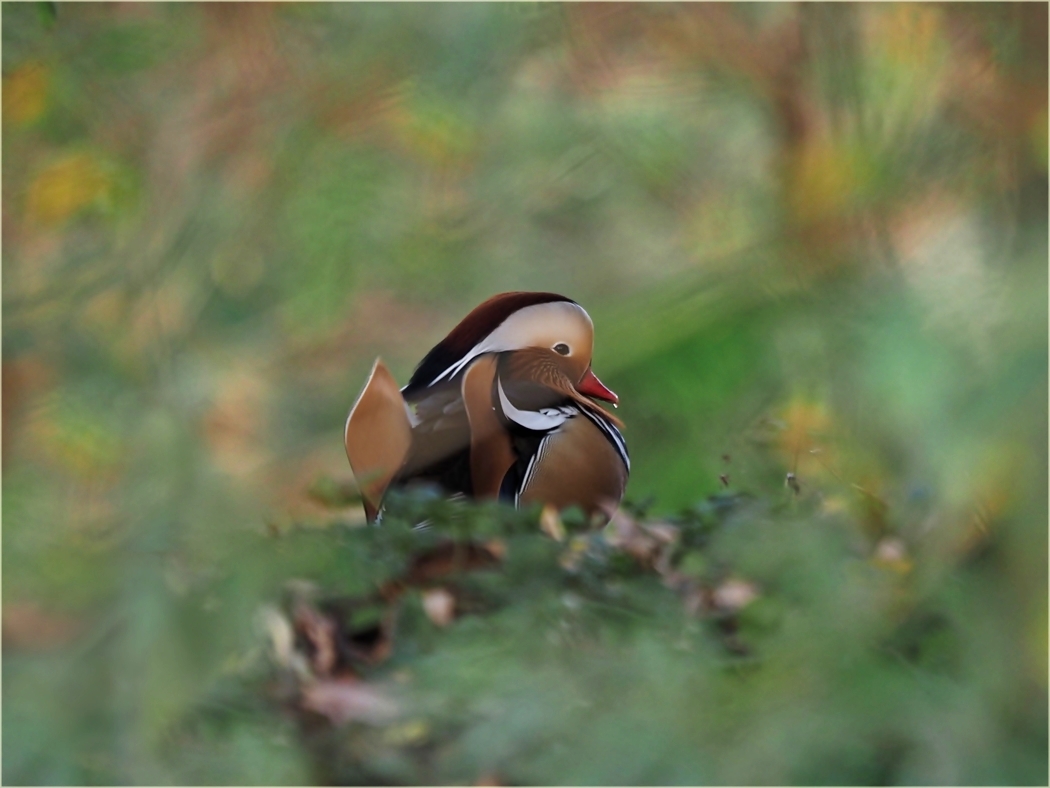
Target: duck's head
x,y
552,327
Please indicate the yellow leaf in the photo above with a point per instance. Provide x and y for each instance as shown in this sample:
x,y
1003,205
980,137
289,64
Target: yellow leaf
x,y
908,32
432,130
1038,138
406,734
989,491
551,524
66,187
804,421
25,93
237,420
826,178
834,504
76,439
571,558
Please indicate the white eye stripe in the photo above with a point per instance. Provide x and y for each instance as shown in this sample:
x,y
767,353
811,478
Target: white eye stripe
x,y
532,326
456,368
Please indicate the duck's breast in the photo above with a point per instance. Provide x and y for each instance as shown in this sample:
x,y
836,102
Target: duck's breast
x,y
581,463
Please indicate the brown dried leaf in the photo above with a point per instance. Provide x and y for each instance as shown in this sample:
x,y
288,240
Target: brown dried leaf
x,y
728,598
496,548
27,626
320,632
278,630
624,533
451,557
650,544
697,599
734,595
369,644
440,606
665,533
348,700
892,554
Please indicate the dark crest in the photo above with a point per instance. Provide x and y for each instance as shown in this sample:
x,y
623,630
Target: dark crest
x,y
482,321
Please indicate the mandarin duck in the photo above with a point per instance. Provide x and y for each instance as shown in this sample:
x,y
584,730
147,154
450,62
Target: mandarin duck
x,y
504,407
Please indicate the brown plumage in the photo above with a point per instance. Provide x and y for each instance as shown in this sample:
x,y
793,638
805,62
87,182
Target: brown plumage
x,y
503,407
582,453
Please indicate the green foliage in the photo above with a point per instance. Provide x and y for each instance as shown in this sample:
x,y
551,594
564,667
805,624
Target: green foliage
x,y
813,240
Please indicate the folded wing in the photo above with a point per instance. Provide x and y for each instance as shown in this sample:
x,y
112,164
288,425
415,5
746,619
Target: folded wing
x,y
378,436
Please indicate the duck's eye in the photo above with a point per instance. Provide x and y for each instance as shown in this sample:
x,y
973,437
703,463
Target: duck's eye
x,y
562,349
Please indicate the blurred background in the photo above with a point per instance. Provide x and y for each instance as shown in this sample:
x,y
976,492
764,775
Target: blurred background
x,y
813,240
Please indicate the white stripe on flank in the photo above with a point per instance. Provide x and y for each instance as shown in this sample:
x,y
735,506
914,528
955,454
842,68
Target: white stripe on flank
x,y
613,435
534,461
540,421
